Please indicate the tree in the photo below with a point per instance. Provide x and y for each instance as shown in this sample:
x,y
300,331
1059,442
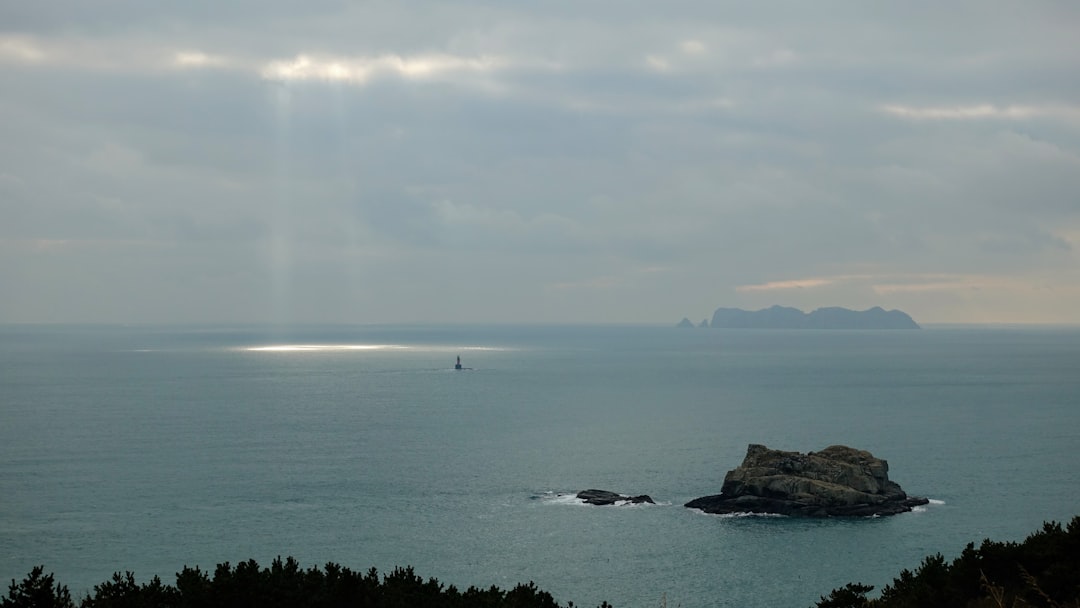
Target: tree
x,y
37,590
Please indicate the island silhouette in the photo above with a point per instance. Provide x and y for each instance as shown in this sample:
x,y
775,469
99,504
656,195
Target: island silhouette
x,y
784,317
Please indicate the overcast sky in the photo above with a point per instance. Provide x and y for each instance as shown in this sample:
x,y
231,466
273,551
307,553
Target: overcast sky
x,y
415,161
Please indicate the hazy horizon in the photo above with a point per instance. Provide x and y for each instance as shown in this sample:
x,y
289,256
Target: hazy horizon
x,y
561,163
520,323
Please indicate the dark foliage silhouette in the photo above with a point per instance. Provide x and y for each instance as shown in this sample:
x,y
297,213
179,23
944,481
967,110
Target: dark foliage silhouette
x,y
284,584
1043,570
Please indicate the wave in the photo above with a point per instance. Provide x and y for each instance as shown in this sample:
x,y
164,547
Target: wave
x,y
559,498
570,498
923,508
741,515
641,505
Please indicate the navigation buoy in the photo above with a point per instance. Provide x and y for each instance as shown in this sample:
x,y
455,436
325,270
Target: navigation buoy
x,y
458,364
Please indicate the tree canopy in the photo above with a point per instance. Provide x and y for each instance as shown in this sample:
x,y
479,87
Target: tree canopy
x,y
1043,570
284,584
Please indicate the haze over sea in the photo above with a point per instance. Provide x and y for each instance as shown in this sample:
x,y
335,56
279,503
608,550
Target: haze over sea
x,y
151,448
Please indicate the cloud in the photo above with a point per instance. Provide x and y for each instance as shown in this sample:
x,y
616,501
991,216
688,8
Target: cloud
x,y
606,161
790,284
20,49
359,70
1065,113
692,47
950,283
658,64
198,59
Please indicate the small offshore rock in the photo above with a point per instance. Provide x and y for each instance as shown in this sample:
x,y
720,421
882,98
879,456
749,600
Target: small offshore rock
x,y
604,497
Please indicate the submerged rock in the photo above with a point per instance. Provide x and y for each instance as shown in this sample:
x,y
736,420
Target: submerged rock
x,y
603,497
837,481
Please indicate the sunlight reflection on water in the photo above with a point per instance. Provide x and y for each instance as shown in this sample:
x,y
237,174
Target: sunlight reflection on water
x,y
366,347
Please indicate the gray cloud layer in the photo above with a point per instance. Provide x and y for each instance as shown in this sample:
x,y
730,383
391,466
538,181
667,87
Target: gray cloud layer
x,y
636,162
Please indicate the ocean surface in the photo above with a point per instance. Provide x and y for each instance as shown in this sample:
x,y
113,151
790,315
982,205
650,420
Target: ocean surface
x,y
151,448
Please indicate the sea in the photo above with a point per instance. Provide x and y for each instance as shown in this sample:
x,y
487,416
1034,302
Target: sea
x,y
147,449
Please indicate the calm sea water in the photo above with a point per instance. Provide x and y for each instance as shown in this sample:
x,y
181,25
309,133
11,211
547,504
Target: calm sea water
x,y
148,449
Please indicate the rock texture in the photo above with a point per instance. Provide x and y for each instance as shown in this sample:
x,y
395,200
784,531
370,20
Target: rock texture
x,y
837,481
603,497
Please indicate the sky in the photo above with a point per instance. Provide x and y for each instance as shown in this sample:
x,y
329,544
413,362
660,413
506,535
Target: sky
x,y
547,162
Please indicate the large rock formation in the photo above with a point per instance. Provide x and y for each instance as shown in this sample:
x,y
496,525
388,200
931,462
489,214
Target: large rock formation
x,y
781,317
837,481
603,497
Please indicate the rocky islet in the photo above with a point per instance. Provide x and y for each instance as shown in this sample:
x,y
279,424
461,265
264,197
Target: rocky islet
x,y
838,481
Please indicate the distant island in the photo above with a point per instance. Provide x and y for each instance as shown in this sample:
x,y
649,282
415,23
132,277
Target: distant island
x,y
783,317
